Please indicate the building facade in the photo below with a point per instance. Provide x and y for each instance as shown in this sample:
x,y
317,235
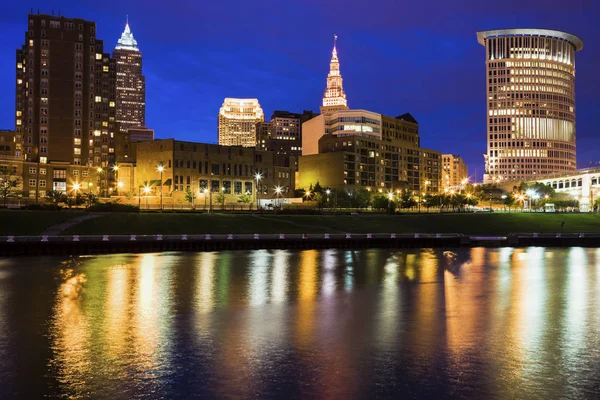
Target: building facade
x,y
389,161
8,143
334,98
207,169
530,93
339,123
237,122
130,83
65,99
454,171
283,134
582,185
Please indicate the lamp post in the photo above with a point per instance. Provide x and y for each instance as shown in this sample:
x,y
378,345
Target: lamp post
x,y
278,193
76,187
146,191
115,169
504,197
327,192
99,170
160,169
390,198
90,184
258,176
205,191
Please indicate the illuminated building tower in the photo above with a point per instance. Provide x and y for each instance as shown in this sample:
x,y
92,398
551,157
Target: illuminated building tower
x,y
65,95
237,122
131,84
530,102
334,98
455,171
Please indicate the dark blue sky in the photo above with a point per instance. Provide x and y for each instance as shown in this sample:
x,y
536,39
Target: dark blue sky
x,y
396,56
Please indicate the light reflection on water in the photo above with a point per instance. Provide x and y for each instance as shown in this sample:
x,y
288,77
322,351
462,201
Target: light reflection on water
x,y
470,322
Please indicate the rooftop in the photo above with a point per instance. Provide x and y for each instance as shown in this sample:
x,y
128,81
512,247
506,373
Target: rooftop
x,y
576,41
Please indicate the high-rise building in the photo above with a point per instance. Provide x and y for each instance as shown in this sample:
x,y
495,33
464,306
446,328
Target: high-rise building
x,y
7,143
530,102
65,97
283,134
334,98
237,122
375,152
131,84
454,171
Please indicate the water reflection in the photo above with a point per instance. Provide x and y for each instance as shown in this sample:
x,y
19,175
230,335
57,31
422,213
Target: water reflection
x,y
331,323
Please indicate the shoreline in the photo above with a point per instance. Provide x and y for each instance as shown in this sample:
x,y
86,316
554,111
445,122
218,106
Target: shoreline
x,y
11,246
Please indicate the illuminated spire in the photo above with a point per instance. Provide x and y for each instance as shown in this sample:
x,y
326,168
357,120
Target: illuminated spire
x,y
334,97
127,41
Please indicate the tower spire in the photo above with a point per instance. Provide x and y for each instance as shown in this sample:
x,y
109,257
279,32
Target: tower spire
x,y
334,98
127,40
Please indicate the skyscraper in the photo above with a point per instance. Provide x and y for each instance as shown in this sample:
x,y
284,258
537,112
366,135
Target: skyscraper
x,y
334,98
530,102
131,84
65,94
237,122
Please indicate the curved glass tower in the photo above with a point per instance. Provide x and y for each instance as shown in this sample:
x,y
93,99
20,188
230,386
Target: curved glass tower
x,y
530,102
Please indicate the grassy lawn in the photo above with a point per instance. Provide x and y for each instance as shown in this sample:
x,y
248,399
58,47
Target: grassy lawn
x,y
14,222
483,224
17,222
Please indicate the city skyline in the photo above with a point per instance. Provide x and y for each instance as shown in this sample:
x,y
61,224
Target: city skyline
x,y
387,68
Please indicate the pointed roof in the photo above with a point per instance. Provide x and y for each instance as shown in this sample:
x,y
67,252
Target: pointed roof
x,y
127,41
407,117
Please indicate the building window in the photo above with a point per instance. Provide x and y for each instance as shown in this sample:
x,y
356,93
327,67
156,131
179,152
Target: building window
x,y
248,187
42,183
42,171
237,187
43,160
75,172
32,171
32,182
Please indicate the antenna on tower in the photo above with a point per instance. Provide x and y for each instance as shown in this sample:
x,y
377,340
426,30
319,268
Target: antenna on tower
x,y
127,19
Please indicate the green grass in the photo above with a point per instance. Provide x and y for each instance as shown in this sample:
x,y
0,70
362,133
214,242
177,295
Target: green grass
x,y
475,224
14,222
17,222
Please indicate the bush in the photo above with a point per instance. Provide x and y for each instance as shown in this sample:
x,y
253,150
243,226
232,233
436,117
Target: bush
x,y
43,207
113,207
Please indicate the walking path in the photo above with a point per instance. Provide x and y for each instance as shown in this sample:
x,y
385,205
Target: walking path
x,y
63,226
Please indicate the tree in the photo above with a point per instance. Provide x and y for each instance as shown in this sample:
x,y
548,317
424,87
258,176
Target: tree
x,y
244,198
407,200
318,188
509,200
56,197
189,196
8,185
220,198
360,198
431,201
380,202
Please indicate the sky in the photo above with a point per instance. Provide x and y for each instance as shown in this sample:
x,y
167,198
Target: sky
x,y
396,56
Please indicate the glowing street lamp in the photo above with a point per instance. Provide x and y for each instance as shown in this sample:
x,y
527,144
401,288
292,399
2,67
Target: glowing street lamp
x,y
115,169
146,192
278,191
258,177
160,169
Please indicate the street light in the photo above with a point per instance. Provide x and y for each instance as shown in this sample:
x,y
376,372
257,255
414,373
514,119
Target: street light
x,y
99,170
205,191
278,191
115,169
258,177
146,191
160,169
90,184
390,198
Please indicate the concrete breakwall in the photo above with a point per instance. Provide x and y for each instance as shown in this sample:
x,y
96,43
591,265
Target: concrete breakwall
x,y
103,244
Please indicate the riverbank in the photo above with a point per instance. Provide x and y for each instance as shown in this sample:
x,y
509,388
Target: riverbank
x,y
22,223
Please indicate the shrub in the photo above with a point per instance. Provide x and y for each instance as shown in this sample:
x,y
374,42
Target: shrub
x,y
113,207
43,207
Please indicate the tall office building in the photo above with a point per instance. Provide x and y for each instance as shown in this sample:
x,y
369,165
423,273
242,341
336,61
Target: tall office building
x,y
334,98
237,122
131,84
65,95
530,102
454,170
283,134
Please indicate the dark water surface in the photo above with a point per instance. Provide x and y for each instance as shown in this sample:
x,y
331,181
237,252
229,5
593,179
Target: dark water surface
x,y
479,323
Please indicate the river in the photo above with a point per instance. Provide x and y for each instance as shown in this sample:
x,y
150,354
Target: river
x,y
476,323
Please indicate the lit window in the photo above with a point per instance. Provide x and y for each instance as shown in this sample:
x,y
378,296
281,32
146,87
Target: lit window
x,y
43,160
18,122
105,68
112,104
96,133
19,113
98,56
98,99
77,141
77,151
104,123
